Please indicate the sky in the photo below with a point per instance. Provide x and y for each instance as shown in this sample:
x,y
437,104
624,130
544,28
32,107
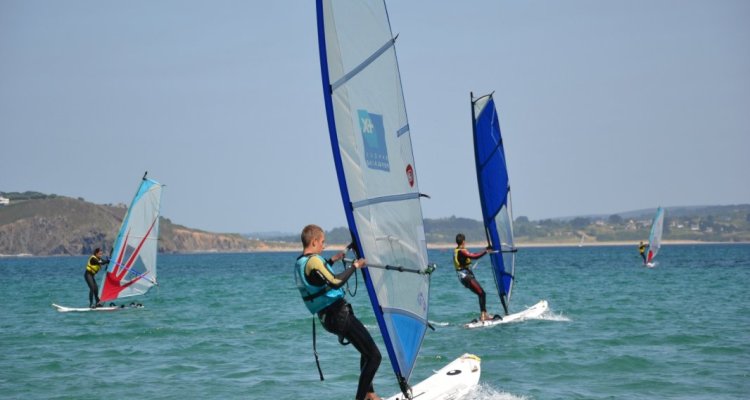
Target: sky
x,y
605,106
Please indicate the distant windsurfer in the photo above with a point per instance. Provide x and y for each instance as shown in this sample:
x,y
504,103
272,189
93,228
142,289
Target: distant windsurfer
x,y
462,261
94,264
642,250
323,294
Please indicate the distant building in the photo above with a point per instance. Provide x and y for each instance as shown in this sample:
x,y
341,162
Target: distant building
x,y
4,201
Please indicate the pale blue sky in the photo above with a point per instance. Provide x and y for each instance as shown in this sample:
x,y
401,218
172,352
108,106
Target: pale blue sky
x,y
605,106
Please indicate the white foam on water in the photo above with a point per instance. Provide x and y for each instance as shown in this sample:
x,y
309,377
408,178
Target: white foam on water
x,y
551,316
487,392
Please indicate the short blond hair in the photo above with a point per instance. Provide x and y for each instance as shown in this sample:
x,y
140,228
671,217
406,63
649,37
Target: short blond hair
x,y
310,233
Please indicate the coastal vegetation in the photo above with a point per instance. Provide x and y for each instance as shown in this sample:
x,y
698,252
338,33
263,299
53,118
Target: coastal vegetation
x,y
38,224
47,224
730,223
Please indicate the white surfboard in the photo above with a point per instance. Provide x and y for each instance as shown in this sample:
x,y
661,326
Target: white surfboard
x,y
82,309
450,382
87,309
532,312
650,265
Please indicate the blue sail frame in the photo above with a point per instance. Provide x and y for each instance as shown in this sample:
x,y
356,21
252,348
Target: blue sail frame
x,y
402,354
494,193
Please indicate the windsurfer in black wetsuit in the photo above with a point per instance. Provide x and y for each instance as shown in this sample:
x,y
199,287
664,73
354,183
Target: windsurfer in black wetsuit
x,y
93,266
642,250
323,294
462,262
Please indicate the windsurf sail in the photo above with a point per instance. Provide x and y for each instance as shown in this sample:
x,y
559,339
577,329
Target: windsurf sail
x,y
494,193
372,152
132,266
654,239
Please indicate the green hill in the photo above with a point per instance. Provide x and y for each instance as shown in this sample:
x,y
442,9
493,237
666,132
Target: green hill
x,y
729,223
55,225
39,224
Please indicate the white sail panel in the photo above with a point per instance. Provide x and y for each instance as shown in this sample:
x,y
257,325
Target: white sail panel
x,y
504,226
132,267
373,153
654,240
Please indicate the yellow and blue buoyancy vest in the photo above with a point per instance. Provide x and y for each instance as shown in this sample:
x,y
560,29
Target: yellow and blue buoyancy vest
x,y
316,298
457,262
93,268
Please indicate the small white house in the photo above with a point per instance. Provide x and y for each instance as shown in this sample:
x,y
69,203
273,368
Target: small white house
x,y
4,201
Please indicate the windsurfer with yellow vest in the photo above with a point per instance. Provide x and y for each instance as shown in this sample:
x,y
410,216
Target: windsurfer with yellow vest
x,y
93,266
462,261
323,294
642,250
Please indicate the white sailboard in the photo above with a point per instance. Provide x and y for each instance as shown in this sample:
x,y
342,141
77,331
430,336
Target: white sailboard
x,y
532,312
494,194
450,382
132,267
654,238
82,309
372,152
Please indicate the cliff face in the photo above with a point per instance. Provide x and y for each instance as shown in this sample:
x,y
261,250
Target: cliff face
x,y
181,239
67,226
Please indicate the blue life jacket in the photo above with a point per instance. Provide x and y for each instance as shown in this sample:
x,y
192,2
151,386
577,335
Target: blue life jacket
x,y
316,298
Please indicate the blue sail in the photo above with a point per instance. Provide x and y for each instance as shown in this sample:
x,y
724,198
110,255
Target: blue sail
x,y
494,193
372,152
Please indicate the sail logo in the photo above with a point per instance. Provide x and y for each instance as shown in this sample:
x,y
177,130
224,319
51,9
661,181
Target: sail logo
x,y
373,137
410,175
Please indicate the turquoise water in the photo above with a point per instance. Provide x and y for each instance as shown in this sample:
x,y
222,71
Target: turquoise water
x,y
232,326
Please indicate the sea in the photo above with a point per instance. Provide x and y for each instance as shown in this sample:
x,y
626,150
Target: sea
x,y
232,326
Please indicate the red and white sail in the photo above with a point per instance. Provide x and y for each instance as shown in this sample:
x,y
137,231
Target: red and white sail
x,y
132,267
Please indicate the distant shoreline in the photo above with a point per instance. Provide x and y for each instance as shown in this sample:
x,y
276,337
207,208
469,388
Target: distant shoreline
x,y
577,244
444,246
434,246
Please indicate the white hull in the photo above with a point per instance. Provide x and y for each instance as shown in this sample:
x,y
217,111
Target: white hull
x,y
532,312
449,383
82,309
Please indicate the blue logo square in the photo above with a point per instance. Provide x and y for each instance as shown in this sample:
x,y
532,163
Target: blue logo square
x,y
373,136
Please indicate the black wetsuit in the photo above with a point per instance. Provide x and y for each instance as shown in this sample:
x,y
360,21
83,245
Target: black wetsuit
x,y
467,277
472,284
339,319
91,281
